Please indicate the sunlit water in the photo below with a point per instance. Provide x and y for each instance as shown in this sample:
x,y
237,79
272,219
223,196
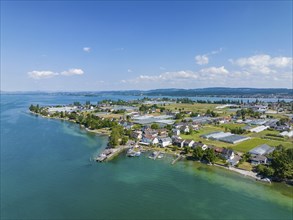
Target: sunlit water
x,y
46,174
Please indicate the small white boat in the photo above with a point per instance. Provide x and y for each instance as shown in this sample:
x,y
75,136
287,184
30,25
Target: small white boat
x,y
133,153
153,155
161,155
266,180
137,154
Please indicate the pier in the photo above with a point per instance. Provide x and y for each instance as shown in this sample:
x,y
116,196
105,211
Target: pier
x,y
179,157
110,153
156,156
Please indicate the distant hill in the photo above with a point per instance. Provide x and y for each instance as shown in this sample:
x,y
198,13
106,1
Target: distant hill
x,y
213,91
216,91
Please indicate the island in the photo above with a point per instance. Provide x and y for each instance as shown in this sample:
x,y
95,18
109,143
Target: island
x,y
251,138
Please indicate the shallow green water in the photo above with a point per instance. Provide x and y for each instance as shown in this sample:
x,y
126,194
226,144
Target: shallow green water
x,y
46,174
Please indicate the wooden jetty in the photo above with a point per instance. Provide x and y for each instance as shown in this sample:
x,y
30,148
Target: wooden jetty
x,y
179,157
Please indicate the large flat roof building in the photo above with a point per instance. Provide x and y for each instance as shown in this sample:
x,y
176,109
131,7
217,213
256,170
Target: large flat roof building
x,y
262,150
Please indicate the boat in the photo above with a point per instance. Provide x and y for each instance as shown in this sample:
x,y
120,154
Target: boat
x,y
267,180
129,151
137,154
153,155
132,153
161,155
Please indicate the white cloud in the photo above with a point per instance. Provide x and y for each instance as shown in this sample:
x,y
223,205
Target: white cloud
x,y
129,71
44,74
210,73
202,59
255,71
35,74
86,49
71,72
215,70
263,63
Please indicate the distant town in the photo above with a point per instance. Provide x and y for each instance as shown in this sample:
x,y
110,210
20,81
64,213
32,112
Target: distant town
x,y
251,138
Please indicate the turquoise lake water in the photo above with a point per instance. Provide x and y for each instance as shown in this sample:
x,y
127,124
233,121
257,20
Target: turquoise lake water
x,y
46,174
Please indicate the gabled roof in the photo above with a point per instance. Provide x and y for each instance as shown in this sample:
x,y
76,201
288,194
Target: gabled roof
x,y
228,152
167,139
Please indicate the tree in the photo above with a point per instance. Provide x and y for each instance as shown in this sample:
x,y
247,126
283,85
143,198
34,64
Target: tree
x,y
178,116
208,112
282,163
155,126
137,127
186,149
114,138
124,140
209,155
32,108
168,127
198,153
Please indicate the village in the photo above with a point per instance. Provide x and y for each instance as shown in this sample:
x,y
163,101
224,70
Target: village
x,y
245,137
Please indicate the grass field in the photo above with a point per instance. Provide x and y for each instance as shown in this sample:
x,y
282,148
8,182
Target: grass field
x,y
196,107
245,166
254,142
262,133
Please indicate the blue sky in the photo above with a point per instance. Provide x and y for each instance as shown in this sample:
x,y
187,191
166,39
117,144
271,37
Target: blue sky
x,y
99,45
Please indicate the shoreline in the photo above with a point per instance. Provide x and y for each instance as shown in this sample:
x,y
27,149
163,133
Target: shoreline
x,y
249,174
242,172
68,120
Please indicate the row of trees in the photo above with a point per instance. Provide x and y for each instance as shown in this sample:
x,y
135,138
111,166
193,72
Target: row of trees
x,y
145,108
237,130
244,112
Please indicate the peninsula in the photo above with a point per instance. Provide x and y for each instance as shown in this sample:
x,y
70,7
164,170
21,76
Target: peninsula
x,y
251,138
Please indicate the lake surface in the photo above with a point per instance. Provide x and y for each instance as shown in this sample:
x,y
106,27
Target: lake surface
x,y
46,174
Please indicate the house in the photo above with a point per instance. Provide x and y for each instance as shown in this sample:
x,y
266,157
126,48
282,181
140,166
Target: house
x,y
199,144
136,135
179,125
126,125
227,154
188,143
164,142
218,150
178,142
282,128
185,129
150,132
163,132
176,131
148,139
258,159
195,126
235,160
